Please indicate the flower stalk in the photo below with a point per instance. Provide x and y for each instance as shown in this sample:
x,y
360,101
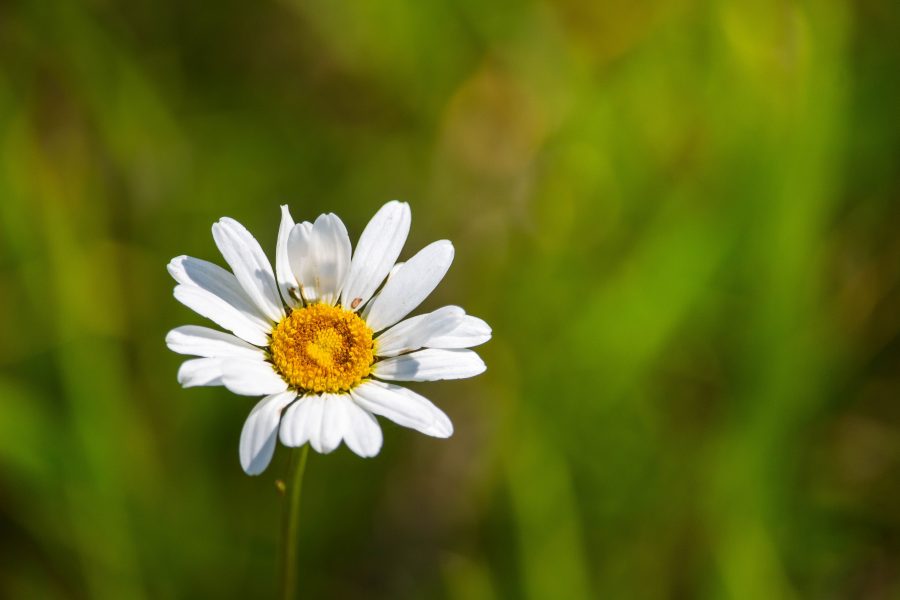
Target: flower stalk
x,y
291,522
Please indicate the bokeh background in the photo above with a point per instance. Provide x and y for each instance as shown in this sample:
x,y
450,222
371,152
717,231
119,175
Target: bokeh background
x,y
680,218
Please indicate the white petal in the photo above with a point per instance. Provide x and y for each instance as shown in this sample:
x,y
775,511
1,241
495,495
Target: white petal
x,y
301,259
260,432
411,285
332,250
203,341
287,282
222,313
249,377
430,365
334,422
403,407
250,265
377,251
200,371
394,269
325,420
365,311
320,257
219,282
362,434
302,422
470,331
413,333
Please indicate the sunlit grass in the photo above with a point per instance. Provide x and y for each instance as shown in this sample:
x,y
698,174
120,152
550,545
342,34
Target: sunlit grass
x,y
681,222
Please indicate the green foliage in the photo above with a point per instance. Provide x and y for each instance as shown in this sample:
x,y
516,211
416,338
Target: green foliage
x,y
680,219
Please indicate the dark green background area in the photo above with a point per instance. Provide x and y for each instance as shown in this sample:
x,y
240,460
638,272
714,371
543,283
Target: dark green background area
x,y
680,218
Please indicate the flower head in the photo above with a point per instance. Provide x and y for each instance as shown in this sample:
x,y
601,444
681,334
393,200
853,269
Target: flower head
x,y
324,335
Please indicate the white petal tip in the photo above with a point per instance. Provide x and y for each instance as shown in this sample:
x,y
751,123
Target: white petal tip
x,y
287,438
253,470
365,454
445,245
442,430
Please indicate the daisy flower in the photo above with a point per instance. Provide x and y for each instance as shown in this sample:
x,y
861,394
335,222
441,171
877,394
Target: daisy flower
x,y
324,336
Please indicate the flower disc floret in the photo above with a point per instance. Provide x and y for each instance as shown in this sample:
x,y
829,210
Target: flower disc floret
x,y
322,348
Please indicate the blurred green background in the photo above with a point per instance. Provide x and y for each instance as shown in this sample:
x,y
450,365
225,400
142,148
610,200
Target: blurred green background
x,y
680,218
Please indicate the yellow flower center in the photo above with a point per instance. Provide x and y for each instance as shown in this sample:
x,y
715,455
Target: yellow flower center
x,y
322,348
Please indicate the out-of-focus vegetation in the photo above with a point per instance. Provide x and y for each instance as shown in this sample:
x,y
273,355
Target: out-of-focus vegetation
x,y
681,219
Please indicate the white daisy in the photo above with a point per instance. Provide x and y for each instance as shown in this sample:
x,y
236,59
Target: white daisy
x,y
320,337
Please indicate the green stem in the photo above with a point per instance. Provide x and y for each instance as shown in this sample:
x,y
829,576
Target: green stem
x,y
291,521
